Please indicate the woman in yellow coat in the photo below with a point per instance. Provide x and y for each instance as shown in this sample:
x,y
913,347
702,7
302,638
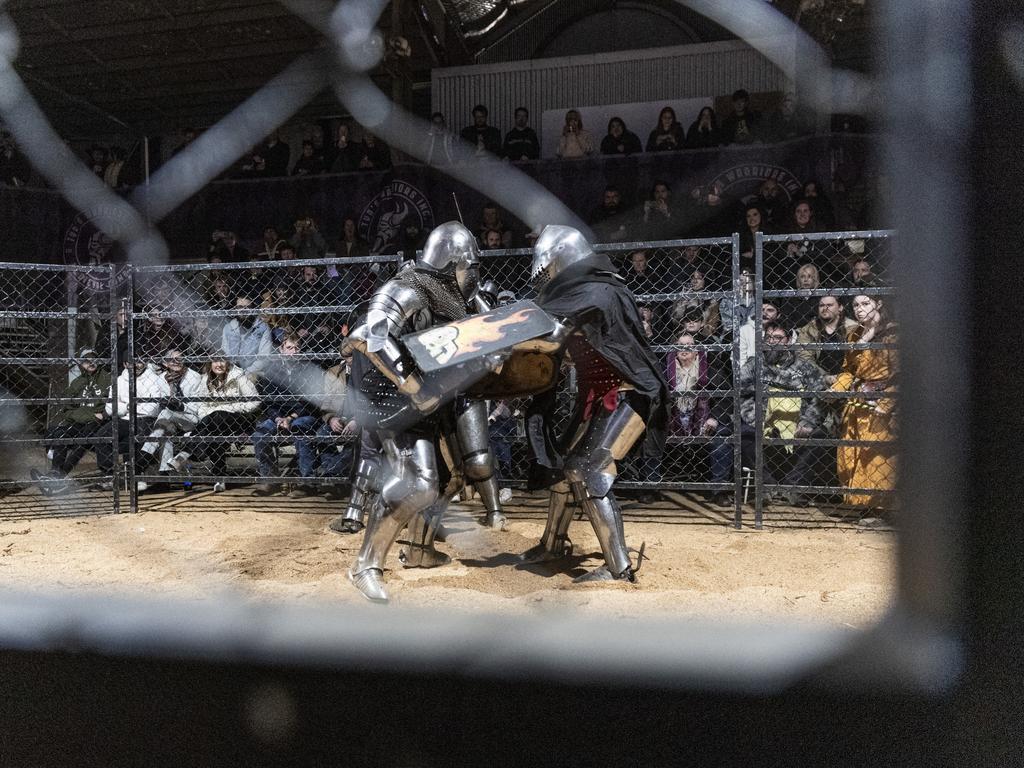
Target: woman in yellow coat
x,y
869,371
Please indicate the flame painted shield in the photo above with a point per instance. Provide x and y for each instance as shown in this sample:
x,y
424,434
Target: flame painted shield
x,y
466,342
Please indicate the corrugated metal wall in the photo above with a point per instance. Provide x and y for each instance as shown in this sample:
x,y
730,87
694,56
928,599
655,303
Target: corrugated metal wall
x,y
611,78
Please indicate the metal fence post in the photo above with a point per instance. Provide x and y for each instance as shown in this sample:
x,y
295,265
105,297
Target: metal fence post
x,y
737,452
133,493
757,383
115,485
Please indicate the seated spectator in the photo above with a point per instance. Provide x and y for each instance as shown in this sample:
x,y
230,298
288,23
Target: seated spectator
x,y
668,134
336,434
575,141
228,411
862,274
647,320
637,274
277,154
708,307
521,143
203,335
771,312
620,140
485,140
772,203
308,163
829,326
347,153
661,218
439,144
687,373
313,291
681,265
120,351
290,389
703,132
741,127
157,335
694,324
279,319
753,222
786,122
492,240
800,310
225,245
220,295
743,309
270,243
76,420
785,416
783,260
711,214
490,218
151,393
178,414
411,237
246,339
307,240
252,167
821,206
609,220
351,245
374,154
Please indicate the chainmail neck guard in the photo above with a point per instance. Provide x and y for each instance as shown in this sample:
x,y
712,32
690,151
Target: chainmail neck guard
x,y
438,291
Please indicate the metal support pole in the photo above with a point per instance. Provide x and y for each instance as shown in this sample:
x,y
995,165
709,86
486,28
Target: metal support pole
x,y
115,485
133,493
737,452
758,387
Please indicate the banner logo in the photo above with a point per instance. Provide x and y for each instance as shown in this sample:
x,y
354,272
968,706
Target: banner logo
x,y
742,181
85,244
381,221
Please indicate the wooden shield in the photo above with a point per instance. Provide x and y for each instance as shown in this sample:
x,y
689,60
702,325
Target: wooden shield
x,y
468,340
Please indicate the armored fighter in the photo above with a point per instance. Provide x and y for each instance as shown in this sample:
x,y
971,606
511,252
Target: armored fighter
x,y
404,404
621,392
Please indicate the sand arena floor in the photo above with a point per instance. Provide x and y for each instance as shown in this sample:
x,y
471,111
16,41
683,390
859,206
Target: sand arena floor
x,y
804,564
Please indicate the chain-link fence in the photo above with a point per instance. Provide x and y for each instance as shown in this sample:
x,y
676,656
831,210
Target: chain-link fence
x,y
239,376
58,418
819,394
203,376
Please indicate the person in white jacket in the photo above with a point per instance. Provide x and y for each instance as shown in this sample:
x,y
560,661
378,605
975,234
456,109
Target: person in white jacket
x,y
151,394
229,410
178,417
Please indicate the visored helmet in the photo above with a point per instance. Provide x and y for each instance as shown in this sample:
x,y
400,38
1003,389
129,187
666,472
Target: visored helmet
x,y
451,248
557,248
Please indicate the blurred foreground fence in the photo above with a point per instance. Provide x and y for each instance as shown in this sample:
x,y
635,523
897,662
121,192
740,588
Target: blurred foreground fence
x,y
213,375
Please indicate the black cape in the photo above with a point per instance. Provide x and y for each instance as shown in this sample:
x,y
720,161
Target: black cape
x,y
596,302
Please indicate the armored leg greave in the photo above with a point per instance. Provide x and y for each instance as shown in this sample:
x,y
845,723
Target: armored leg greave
x,y
591,471
411,489
477,458
606,519
420,552
554,542
365,485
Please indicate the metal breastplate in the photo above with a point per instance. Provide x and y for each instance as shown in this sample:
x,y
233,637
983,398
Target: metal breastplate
x,y
440,296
